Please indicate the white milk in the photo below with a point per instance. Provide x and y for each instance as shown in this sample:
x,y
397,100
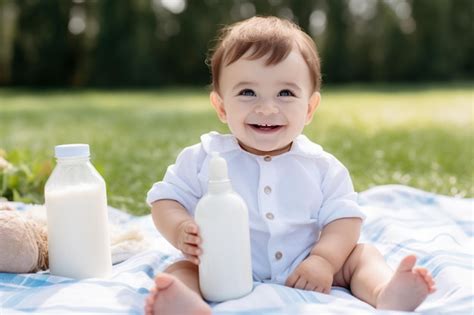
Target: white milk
x,y
225,269
78,240
76,206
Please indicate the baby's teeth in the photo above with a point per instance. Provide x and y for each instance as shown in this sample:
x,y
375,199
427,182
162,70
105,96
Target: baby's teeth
x,y
264,125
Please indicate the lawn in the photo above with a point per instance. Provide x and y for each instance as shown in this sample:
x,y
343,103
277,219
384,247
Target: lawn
x,y
417,135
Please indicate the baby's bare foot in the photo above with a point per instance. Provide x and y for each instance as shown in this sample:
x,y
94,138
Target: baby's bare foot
x,y
171,296
408,287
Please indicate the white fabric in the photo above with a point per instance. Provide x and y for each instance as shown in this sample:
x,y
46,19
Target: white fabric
x,y
303,189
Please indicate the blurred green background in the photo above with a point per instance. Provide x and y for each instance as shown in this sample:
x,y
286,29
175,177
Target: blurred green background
x,y
130,79
164,42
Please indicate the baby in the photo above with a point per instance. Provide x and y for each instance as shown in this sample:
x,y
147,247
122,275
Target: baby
x,y
304,218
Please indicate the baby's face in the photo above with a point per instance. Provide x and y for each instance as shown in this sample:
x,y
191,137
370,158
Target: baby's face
x,y
266,107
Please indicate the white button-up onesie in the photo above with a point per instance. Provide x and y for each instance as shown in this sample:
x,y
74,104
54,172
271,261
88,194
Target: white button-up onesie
x,y
290,197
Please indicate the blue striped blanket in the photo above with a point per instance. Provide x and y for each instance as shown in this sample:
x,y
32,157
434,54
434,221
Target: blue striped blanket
x,y
400,220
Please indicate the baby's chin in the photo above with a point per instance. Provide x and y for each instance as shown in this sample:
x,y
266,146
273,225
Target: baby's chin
x,y
265,148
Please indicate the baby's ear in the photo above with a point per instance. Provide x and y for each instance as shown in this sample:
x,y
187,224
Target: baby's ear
x,y
313,103
218,105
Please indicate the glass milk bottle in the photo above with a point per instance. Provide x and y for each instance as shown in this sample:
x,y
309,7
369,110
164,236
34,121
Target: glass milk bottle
x,y
76,205
225,268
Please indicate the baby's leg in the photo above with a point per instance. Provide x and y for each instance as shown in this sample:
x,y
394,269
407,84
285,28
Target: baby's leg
x,y
370,279
177,292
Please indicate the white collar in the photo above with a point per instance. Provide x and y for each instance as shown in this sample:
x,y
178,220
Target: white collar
x,y
216,142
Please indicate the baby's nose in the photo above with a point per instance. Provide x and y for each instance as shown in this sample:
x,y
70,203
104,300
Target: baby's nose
x,y
266,108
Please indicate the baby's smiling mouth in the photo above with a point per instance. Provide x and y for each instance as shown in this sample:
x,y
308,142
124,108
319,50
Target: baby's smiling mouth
x,y
265,127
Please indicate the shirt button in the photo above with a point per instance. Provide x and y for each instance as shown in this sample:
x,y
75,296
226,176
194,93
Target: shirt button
x,y
278,255
267,190
267,158
269,216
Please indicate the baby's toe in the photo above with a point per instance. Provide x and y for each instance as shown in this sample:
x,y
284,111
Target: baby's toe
x,y
421,271
425,275
429,279
149,305
149,301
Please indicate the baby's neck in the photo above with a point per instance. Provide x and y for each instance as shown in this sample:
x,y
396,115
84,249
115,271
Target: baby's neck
x,y
263,153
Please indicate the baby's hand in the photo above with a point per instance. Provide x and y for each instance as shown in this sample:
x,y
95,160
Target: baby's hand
x,y
189,240
314,273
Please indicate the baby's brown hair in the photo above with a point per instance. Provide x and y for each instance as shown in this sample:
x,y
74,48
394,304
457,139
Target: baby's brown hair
x,y
264,35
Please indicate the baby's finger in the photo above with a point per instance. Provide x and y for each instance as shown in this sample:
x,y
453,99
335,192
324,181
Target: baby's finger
x,y
191,250
191,227
290,282
192,239
194,259
318,289
309,286
326,290
300,284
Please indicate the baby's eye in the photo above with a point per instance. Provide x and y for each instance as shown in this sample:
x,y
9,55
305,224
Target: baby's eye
x,y
286,93
247,92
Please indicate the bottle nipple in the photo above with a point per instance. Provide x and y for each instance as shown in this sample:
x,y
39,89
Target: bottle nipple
x,y
217,168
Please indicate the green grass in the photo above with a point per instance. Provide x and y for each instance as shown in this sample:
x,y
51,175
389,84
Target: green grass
x,y
420,135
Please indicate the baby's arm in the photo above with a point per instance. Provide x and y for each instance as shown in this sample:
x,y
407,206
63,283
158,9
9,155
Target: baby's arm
x,y
178,227
337,240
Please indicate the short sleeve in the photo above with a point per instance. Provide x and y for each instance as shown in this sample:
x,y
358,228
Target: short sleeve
x,y
339,197
181,181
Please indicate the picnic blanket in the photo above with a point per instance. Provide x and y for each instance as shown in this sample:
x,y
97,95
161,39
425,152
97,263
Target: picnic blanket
x,y
400,220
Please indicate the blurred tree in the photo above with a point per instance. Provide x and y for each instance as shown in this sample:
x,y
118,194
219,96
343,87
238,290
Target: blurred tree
x,y
8,14
433,41
187,46
462,34
335,51
165,42
41,45
125,52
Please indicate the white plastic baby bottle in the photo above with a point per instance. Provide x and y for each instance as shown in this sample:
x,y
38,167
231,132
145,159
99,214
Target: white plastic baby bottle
x,y
76,205
225,269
